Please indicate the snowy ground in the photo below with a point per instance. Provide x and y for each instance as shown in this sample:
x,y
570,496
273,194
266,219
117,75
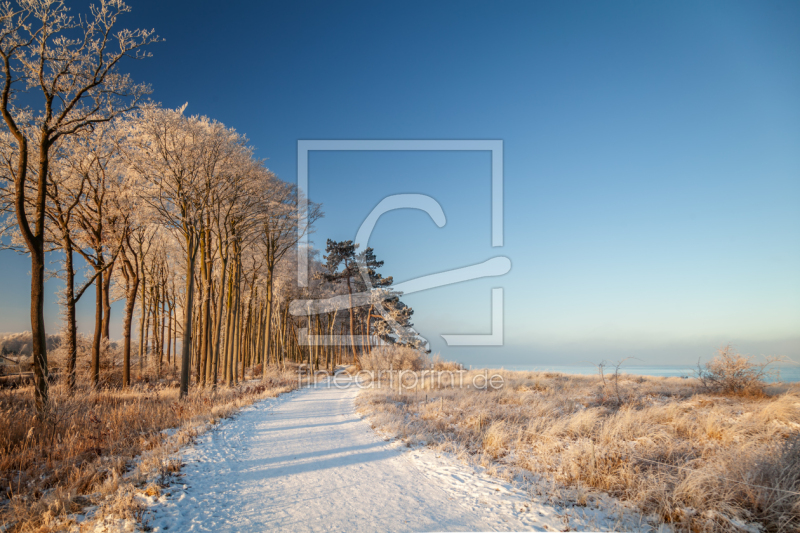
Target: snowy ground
x,y
308,462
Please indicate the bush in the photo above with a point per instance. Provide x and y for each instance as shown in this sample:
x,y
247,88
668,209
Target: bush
x,y
394,358
733,373
445,366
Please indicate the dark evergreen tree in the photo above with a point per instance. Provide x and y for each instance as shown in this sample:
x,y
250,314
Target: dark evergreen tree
x,y
341,266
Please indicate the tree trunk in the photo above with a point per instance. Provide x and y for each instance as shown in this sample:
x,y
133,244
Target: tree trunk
x,y
236,321
205,276
246,329
169,333
158,331
369,329
71,326
218,321
147,349
352,326
98,330
260,326
331,345
187,319
175,330
163,328
127,322
107,300
267,333
142,322
38,336
229,330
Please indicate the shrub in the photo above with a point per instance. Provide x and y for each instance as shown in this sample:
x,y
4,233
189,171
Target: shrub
x,y
733,373
394,358
445,366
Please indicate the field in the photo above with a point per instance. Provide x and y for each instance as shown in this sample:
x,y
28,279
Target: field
x,y
102,448
700,461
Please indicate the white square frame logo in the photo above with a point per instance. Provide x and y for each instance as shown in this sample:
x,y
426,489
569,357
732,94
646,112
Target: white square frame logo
x,y
493,267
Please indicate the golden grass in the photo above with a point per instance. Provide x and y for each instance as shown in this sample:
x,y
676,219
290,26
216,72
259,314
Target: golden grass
x,y
694,459
76,455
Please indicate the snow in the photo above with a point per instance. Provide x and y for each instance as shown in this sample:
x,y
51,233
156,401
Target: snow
x,y
308,462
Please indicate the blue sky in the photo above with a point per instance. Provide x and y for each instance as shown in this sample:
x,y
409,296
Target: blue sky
x,y
651,153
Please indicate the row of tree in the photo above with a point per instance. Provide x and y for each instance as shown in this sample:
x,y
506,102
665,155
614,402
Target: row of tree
x,y
172,213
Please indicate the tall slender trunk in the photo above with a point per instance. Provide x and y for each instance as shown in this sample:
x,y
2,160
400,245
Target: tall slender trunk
x,y
107,300
71,326
163,329
267,336
369,328
196,342
236,322
332,346
38,336
142,322
210,357
34,241
132,282
352,325
247,330
169,332
36,247
236,343
98,329
157,331
205,275
284,337
229,330
317,332
218,321
147,337
257,352
191,251
175,331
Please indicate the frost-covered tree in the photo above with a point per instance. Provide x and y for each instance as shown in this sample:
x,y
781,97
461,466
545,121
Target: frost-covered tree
x,y
279,219
71,64
180,162
93,156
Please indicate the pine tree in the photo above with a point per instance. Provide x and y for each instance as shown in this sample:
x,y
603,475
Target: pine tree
x,y
343,255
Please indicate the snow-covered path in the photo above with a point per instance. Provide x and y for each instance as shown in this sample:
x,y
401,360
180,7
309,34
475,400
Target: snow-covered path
x,y
308,462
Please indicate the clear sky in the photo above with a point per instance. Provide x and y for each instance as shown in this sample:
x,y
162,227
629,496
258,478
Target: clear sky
x,y
652,158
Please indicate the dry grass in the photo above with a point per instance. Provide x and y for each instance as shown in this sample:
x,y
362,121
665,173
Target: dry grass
x,y
695,459
78,453
384,358
393,357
